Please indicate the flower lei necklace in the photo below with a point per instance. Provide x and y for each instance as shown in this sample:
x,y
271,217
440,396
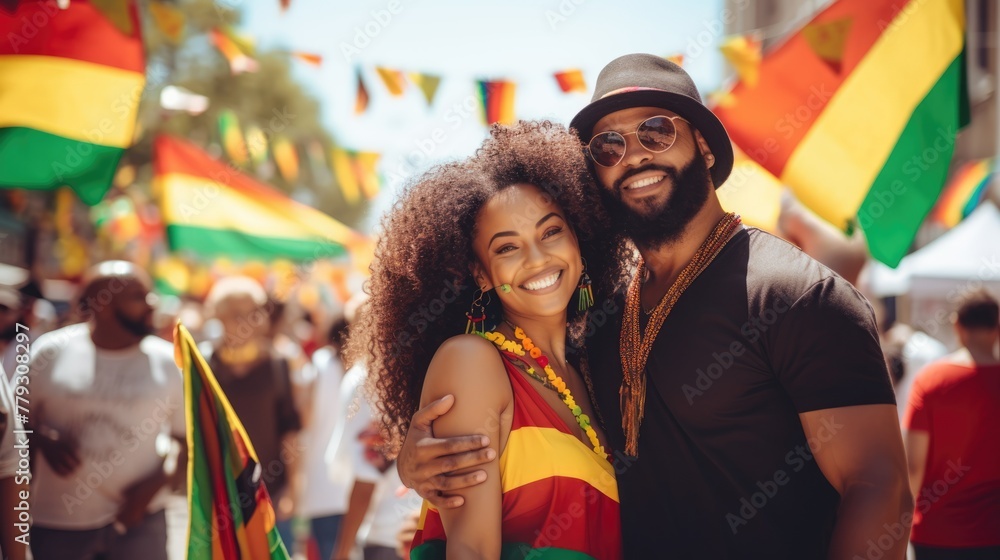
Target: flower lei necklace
x,y
553,381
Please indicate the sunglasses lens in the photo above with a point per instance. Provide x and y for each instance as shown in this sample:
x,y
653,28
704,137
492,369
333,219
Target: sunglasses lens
x,y
657,134
607,148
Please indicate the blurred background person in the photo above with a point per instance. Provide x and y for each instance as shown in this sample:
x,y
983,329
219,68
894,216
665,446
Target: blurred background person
x,y
257,382
951,442
13,479
376,507
103,395
324,501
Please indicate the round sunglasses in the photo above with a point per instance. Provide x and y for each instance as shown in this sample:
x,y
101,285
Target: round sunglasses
x,y
656,134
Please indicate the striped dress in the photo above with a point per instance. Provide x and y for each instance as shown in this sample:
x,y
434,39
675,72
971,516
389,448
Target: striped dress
x,y
560,500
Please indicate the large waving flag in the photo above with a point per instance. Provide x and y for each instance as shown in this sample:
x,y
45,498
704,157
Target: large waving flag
x,y
858,114
70,83
231,513
214,210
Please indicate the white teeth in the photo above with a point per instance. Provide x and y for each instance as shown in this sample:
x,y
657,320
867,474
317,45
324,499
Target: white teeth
x,y
543,283
644,182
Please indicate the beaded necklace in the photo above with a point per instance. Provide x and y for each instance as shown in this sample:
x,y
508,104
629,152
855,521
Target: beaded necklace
x,y
635,345
553,381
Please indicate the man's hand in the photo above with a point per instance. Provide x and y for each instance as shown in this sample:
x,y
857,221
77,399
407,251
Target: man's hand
x,y
133,511
59,451
425,462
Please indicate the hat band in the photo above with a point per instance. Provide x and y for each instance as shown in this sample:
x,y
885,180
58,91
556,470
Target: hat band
x,y
631,89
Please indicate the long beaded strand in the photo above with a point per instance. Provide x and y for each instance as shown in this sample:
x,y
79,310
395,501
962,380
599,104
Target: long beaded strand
x,y
635,345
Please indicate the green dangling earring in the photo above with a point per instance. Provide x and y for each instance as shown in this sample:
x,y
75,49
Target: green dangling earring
x,y
585,290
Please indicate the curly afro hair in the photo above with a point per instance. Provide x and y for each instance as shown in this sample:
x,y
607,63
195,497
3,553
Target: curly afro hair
x,y
422,286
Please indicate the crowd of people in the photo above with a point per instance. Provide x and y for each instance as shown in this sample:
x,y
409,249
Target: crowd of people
x,y
567,348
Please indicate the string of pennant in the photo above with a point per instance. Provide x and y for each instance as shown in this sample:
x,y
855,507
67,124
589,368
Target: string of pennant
x,y
355,170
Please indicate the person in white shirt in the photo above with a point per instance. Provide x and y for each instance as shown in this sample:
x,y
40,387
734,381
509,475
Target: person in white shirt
x,y
324,501
104,397
14,475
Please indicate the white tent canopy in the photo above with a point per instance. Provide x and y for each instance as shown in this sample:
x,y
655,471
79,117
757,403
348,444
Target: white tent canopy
x,y
968,254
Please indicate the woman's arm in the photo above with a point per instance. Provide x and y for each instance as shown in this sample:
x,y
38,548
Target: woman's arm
x,y
469,368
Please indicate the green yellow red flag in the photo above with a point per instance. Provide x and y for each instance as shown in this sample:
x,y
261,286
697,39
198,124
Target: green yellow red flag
x,y
70,85
858,113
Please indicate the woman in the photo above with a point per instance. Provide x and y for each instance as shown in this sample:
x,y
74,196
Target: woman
x,y
500,246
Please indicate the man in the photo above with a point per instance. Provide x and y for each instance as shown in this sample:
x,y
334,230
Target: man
x,y
102,395
762,424
952,444
257,382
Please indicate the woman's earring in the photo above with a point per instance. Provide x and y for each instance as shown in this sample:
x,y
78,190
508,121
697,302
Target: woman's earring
x,y
585,291
477,316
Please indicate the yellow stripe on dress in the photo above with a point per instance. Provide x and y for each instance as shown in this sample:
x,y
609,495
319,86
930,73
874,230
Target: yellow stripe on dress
x,y
520,465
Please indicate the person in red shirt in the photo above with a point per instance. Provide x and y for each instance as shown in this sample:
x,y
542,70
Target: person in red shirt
x,y
951,443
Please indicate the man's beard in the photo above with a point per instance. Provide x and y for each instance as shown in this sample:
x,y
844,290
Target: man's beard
x,y
137,327
665,225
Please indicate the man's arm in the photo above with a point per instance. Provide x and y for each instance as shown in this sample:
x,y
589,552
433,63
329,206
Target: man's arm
x,y
139,495
918,443
430,465
357,507
860,451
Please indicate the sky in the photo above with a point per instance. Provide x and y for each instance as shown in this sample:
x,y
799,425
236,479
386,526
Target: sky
x,y
525,41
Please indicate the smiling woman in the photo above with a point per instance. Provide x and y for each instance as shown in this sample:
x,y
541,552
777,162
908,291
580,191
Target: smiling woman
x,y
517,230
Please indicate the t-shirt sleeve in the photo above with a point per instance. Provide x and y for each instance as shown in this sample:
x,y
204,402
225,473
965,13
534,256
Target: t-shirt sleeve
x,y
917,415
825,351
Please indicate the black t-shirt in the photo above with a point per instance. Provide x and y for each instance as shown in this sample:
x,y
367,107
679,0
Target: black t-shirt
x,y
724,469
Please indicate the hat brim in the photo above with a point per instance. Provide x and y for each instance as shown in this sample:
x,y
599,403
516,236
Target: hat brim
x,y
700,117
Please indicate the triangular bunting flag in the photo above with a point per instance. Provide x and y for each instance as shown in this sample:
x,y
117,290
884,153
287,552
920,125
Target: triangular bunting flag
x,y
744,54
309,58
256,144
394,80
168,19
361,102
232,138
677,59
497,101
343,169
828,40
571,81
286,158
364,168
427,83
238,61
